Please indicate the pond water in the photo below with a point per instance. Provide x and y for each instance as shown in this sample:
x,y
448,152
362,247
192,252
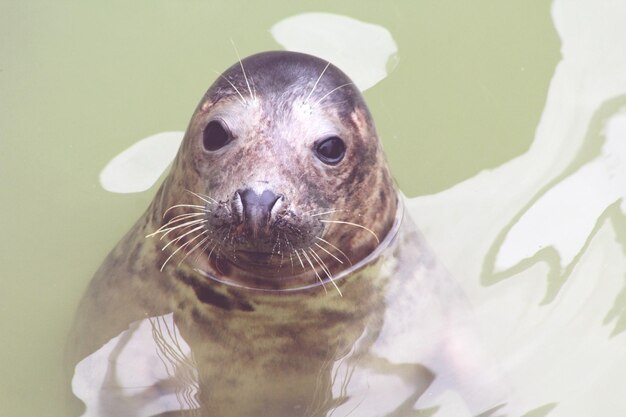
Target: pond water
x,y
504,124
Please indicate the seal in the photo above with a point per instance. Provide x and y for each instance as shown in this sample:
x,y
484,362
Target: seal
x,y
278,245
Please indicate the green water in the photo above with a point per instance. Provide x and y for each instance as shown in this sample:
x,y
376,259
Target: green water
x,y
81,81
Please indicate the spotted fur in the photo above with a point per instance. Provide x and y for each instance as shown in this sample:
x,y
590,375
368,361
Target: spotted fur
x,y
292,326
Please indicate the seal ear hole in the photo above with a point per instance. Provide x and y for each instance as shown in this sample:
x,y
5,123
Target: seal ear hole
x,y
215,136
330,150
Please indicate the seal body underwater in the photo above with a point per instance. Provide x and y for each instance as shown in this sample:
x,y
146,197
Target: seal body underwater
x,y
278,256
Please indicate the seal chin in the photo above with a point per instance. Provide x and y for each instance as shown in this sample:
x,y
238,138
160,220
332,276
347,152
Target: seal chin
x,y
260,232
272,258
256,262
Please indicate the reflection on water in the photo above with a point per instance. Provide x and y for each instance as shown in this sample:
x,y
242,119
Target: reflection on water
x,y
146,370
545,215
589,191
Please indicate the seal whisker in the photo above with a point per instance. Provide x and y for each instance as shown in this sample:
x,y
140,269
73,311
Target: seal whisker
x,y
282,256
300,259
278,251
217,264
229,235
274,250
322,210
330,92
316,82
206,199
325,269
181,236
176,251
243,100
204,195
195,247
326,212
181,217
314,270
334,247
353,224
242,69
177,222
170,225
253,92
290,252
325,250
204,248
166,230
203,208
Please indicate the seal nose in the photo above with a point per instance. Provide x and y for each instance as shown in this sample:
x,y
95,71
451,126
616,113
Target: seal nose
x,y
256,211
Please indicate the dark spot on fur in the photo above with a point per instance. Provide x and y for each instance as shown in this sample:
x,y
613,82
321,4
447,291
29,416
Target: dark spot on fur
x,y
336,316
198,317
239,301
382,195
207,295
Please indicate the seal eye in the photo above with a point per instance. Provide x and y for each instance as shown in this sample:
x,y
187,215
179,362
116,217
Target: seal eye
x,y
331,150
215,136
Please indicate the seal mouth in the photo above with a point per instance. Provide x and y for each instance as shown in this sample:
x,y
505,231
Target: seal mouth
x,y
303,281
279,251
257,230
255,258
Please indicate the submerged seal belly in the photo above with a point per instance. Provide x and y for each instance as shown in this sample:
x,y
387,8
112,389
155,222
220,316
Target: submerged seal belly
x,y
278,247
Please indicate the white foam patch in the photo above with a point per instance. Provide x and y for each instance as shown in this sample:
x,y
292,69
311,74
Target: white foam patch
x,y
137,168
361,50
565,216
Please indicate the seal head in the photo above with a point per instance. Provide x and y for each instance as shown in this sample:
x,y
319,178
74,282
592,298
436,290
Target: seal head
x,y
281,181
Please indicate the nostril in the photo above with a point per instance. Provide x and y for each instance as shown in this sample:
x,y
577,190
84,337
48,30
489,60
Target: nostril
x,y
253,208
277,206
236,206
267,201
